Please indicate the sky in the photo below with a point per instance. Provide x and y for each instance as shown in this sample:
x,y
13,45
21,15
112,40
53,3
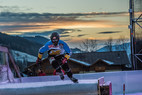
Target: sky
x,y
75,20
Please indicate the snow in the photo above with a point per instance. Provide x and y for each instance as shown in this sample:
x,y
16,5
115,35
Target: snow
x,y
65,87
109,62
23,56
138,93
43,84
84,63
52,85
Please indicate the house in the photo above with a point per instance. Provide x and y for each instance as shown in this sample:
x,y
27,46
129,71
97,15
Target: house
x,y
102,61
92,61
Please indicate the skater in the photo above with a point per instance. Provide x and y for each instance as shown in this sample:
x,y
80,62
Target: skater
x,y
58,54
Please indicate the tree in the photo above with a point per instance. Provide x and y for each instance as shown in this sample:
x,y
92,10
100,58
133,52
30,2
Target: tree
x,y
89,45
121,43
108,43
93,45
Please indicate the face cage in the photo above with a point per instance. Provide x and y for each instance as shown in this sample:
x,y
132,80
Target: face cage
x,y
55,41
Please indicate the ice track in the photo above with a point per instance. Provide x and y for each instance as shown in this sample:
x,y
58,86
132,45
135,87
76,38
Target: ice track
x,y
66,87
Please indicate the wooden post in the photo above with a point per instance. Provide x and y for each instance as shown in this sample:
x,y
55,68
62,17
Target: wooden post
x,y
123,89
100,83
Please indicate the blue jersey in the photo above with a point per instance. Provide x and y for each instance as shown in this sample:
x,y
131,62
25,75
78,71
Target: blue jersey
x,y
61,48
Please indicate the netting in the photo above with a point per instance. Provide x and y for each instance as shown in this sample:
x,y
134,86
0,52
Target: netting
x,y
5,72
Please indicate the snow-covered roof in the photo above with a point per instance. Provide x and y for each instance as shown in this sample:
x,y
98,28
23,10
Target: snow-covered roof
x,y
109,62
118,57
84,63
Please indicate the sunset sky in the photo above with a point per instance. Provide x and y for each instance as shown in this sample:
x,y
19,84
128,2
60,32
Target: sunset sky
x,y
75,20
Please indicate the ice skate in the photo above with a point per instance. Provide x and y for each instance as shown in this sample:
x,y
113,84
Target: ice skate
x,y
74,80
62,76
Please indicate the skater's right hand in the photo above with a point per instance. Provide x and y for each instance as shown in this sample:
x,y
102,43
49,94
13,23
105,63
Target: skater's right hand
x,y
38,61
64,60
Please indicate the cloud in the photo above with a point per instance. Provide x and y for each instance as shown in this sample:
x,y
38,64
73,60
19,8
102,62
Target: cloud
x,y
36,17
14,9
81,35
35,22
109,32
46,33
64,35
9,8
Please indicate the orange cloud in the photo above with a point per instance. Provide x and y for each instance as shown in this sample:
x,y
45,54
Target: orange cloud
x,y
47,26
48,22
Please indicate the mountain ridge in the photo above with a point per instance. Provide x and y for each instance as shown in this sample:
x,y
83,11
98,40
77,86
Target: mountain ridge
x,y
20,44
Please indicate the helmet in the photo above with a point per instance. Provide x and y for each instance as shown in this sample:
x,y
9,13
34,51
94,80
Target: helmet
x,y
55,38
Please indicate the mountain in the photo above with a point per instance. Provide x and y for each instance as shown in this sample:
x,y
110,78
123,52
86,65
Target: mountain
x,y
120,47
19,44
37,39
75,50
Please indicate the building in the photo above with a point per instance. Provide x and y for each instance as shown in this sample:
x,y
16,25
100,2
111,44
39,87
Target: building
x,y
93,61
102,61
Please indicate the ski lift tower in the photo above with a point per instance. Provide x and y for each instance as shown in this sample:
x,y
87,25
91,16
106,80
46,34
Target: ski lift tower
x,y
135,11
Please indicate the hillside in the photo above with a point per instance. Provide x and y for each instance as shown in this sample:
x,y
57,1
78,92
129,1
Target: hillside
x,y
19,44
37,39
29,45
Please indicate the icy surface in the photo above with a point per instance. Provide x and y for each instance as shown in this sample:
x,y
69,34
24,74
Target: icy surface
x,y
138,93
66,87
52,85
43,84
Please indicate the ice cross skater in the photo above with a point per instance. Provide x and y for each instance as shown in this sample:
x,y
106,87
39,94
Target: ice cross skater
x,y
58,54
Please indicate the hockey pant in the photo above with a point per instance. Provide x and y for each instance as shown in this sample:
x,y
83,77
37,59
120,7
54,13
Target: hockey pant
x,y
58,66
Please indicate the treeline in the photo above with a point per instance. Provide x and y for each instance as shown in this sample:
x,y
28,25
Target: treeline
x,y
19,44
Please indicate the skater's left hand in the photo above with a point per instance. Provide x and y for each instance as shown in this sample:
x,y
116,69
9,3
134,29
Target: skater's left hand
x,y
38,61
66,57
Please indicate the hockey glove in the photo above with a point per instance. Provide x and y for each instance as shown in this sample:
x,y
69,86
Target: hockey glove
x,y
64,60
67,56
40,55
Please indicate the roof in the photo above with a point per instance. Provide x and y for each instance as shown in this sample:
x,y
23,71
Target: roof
x,y
112,58
81,62
109,62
